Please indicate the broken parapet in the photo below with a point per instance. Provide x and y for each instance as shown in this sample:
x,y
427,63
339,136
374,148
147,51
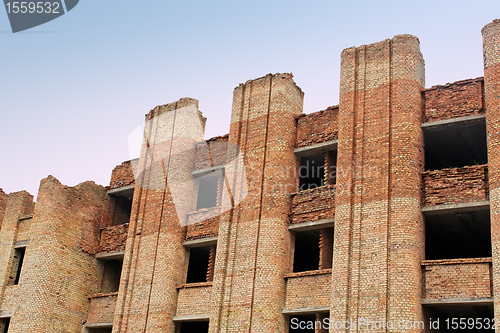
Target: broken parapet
x,y
453,100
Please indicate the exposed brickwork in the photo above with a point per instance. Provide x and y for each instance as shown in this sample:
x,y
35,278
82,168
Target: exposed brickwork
x,y
19,204
312,205
155,261
59,271
102,308
458,278
455,185
122,175
211,153
249,293
207,228
491,52
3,204
378,222
23,231
453,100
370,264
113,238
310,289
317,127
194,299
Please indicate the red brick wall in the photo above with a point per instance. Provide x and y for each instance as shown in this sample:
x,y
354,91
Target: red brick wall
x,y
457,278
455,185
155,259
59,266
113,238
253,248
207,228
458,99
102,308
310,289
122,175
312,205
3,204
194,300
379,227
211,153
317,127
491,52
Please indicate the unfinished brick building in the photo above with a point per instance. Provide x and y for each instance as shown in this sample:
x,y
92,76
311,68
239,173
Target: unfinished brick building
x,y
384,208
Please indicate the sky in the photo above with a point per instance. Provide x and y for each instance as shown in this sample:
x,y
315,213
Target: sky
x,y
72,90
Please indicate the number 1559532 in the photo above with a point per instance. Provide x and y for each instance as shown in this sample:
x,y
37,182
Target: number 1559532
x,y
38,7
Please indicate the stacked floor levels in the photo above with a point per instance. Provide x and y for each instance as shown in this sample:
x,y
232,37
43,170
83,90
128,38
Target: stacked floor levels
x,y
380,214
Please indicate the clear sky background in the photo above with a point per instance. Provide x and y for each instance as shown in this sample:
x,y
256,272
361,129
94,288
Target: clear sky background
x,y
73,89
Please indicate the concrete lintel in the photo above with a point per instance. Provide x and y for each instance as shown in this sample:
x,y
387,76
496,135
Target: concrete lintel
x,y
304,226
453,120
20,244
472,301
455,208
110,255
191,318
5,314
125,191
305,310
208,241
99,325
316,148
207,170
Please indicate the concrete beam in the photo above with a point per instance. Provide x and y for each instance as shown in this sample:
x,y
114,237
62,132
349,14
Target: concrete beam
x,y
125,191
304,226
317,148
20,244
305,310
208,241
207,170
455,208
454,120
472,301
117,255
191,318
99,325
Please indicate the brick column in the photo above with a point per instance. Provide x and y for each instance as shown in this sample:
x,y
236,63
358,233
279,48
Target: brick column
x,y
491,51
155,259
60,271
3,204
19,204
253,244
378,223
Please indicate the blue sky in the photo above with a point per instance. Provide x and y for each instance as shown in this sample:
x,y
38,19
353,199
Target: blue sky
x,y
73,89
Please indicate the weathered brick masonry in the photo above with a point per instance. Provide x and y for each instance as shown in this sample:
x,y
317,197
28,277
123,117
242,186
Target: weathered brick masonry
x,y
218,235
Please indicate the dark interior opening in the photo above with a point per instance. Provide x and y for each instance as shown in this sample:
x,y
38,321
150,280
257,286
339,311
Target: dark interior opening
x,y
461,234
306,253
111,276
4,325
312,172
198,264
455,144
100,330
17,264
122,209
194,327
207,191
476,317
